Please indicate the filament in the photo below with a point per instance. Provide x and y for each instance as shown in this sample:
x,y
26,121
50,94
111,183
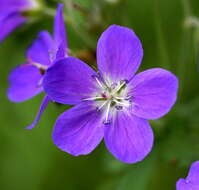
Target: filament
x,y
107,111
93,98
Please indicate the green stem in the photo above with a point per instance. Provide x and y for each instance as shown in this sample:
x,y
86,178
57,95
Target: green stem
x,y
184,53
160,35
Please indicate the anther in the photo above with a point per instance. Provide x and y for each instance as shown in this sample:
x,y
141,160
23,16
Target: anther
x,y
124,81
113,86
118,107
98,81
106,122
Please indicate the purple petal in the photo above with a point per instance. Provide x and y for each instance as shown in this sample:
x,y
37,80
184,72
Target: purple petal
x,y
128,137
194,173
68,81
79,130
119,53
15,5
8,22
153,92
192,180
41,49
43,106
60,34
186,185
25,82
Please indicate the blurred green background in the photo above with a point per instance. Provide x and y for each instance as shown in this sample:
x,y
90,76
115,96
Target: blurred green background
x,y
169,31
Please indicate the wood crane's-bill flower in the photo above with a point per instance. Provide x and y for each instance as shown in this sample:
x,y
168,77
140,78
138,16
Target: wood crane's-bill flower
x,y
12,14
26,79
115,103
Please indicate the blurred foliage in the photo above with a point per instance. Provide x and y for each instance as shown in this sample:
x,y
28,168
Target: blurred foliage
x,y
169,32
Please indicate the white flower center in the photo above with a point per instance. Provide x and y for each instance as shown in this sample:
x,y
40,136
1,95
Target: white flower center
x,y
111,97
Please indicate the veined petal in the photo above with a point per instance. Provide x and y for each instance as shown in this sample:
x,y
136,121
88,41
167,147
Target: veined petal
x,y
8,22
79,130
153,92
69,81
119,53
60,34
25,82
128,137
42,108
42,49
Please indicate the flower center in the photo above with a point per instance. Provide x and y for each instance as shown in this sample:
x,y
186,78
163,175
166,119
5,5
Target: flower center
x,y
42,68
111,97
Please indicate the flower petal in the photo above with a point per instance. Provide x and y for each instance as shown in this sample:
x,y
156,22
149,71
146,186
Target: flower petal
x,y
153,92
68,81
79,130
25,82
128,137
192,180
60,34
8,22
16,5
184,185
42,108
41,49
119,53
194,173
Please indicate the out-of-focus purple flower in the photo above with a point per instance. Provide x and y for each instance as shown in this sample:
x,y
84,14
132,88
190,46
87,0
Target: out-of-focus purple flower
x,y
192,180
11,14
113,104
26,79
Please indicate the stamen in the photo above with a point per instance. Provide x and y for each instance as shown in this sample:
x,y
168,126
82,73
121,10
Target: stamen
x,y
125,80
107,121
101,106
40,82
121,103
111,97
120,86
113,86
123,98
98,81
119,107
39,66
52,54
93,98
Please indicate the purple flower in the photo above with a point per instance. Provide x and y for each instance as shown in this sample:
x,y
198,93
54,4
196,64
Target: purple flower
x,y
11,14
192,180
26,79
113,104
